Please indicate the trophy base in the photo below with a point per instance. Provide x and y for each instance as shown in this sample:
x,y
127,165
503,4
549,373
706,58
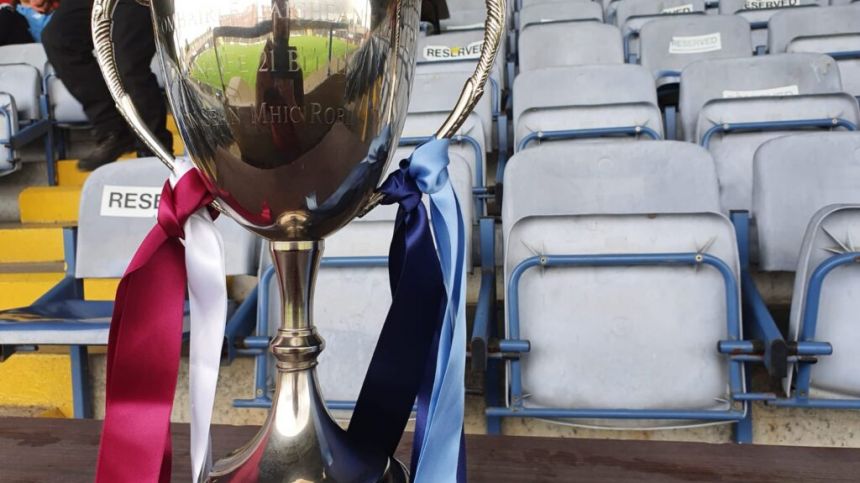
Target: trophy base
x,y
301,443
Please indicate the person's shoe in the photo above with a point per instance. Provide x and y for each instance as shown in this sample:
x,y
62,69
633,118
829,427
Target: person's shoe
x,y
107,150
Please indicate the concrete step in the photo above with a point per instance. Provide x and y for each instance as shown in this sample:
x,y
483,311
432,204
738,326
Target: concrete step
x,y
50,204
30,243
68,173
42,384
19,289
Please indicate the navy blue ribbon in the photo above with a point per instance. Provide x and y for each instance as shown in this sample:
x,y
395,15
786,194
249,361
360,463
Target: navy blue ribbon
x,y
420,355
406,344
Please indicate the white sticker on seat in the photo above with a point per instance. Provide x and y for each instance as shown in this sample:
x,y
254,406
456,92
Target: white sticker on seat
x,y
696,44
448,52
761,4
685,8
772,92
130,201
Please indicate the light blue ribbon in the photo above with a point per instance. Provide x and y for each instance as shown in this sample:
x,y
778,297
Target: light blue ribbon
x,y
440,450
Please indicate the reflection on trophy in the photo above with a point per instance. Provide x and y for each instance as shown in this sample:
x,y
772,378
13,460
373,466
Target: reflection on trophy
x,y
291,110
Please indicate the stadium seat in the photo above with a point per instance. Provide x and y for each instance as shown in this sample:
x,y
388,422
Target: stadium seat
x,y
834,31
464,15
591,101
571,10
117,211
669,44
631,15
569,43
459,52
759,12
807,211
588,225
732,106
351,300
24,114
433,97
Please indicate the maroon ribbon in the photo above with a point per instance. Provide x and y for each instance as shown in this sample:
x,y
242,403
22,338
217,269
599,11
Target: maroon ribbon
x,y
144,345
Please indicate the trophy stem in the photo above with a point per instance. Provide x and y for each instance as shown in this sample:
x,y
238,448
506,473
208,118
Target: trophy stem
x,y
300,442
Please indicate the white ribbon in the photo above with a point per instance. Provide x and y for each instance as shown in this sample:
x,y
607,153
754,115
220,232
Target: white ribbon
x,y
207,296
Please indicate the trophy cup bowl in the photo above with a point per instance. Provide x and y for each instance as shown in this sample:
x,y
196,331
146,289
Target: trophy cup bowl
x,y
291,111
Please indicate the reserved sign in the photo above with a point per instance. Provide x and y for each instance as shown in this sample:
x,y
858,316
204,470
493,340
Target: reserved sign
x,y
130,201
791,90
447,52
686,8
696,44
762,4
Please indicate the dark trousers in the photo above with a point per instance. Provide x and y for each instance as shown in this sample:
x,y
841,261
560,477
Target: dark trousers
x,y
13,28
69,45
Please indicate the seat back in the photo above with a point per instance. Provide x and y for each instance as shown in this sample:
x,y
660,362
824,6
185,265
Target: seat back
x,y
609,178
764,76
734,152
668,45
787,25
795,176
456,51
30,54
24,84
611,199
584,97
763,10
821,30
568,44
437,93
564,11
118,208
831,232
626,11
638,327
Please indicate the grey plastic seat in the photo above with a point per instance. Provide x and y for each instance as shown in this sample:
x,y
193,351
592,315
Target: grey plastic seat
x,y
560,11
631,15
718,97
668,45
117,210
30,54
821,30
584,97
464,15
20,90
458,51
807,209
759,13
569,43
64,107
433,97
350,303
612,199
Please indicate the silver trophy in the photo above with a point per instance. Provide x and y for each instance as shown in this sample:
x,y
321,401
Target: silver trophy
x,y
292,111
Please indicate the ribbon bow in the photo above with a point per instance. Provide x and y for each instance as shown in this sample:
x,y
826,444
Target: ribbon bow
x,y
421,350
146,336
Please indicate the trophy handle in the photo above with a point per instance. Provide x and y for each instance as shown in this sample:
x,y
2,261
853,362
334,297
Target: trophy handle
x,y
102,22
474,87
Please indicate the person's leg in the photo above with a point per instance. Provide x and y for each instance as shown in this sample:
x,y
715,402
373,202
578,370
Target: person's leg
x,y
135,48
69,46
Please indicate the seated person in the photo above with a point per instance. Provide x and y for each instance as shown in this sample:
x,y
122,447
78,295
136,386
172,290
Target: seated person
x,y
13,26
38,14
69,45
